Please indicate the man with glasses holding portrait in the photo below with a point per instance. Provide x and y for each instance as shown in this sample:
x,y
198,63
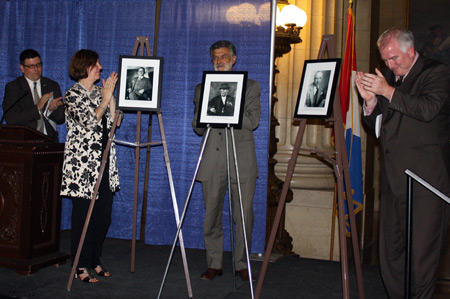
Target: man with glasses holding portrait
x,y
32,100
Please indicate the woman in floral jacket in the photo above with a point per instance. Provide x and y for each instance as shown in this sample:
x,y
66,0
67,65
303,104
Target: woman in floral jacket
x,y
90,112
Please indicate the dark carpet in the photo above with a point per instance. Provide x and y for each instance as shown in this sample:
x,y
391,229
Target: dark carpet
x,y
288,277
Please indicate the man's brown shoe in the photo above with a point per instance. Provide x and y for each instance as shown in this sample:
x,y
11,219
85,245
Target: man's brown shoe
x,y
244,275
210,273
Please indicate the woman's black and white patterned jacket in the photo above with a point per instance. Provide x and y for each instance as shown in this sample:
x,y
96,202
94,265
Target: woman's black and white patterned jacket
x,y
83,148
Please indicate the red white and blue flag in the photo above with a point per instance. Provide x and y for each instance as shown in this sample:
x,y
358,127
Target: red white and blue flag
x,y
351,117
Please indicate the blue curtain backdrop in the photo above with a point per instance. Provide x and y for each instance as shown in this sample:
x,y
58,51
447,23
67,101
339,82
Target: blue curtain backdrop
x,y
57,28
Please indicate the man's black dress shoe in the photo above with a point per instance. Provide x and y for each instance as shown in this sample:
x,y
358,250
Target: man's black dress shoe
x,y
210,273
244,275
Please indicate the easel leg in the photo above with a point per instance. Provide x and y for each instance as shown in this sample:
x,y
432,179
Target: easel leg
x,y
342,163
183,214
280,208
91,206
80,245
136,184
333,223
342,236
241,209
146,176
230,210
141,44
354,230
343,175
174,203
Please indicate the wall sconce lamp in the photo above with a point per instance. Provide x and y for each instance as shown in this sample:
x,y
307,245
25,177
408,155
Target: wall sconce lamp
x,y
290,20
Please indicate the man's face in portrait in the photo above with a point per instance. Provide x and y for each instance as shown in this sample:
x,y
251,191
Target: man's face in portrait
x,y
224,92
318,79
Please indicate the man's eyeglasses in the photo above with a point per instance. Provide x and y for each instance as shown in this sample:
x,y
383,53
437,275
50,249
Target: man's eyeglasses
x,y
32,66
222,57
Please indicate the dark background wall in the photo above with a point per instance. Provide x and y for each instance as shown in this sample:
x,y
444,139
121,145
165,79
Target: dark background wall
x,y
423,20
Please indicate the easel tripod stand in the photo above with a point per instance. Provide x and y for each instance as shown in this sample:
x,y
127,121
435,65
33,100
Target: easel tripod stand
x,y
180,224
341,170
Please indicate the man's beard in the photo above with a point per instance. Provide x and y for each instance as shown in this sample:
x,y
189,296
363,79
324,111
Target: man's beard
x,y
226,67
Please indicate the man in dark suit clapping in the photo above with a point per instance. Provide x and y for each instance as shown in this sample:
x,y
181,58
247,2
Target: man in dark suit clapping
x,y
32,100
408,105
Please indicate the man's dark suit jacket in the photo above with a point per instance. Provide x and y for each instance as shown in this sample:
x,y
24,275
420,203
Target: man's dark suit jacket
x,y
19,107
415,128
220,108
310,96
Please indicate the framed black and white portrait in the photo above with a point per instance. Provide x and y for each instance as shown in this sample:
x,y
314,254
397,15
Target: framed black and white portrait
x,y
140,83
222,99
317,88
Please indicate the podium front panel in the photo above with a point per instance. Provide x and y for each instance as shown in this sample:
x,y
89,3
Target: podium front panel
x,y
30,205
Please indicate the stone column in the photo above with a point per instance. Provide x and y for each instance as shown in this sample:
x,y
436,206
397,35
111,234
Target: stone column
x,y
309,214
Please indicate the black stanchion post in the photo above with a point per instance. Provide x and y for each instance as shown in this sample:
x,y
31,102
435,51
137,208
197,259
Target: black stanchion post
x,y
409,208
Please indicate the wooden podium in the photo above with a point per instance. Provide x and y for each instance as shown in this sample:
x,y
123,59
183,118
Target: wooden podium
x,y
30,204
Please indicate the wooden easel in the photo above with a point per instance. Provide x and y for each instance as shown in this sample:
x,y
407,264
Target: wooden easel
x,y
141,42
341,171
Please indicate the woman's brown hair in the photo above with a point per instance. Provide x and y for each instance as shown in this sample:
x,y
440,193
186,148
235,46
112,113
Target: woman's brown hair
x,y
81,61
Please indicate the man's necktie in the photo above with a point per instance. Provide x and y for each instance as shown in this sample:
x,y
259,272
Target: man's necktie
x,y
135,82
398,82
316,98
40,122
